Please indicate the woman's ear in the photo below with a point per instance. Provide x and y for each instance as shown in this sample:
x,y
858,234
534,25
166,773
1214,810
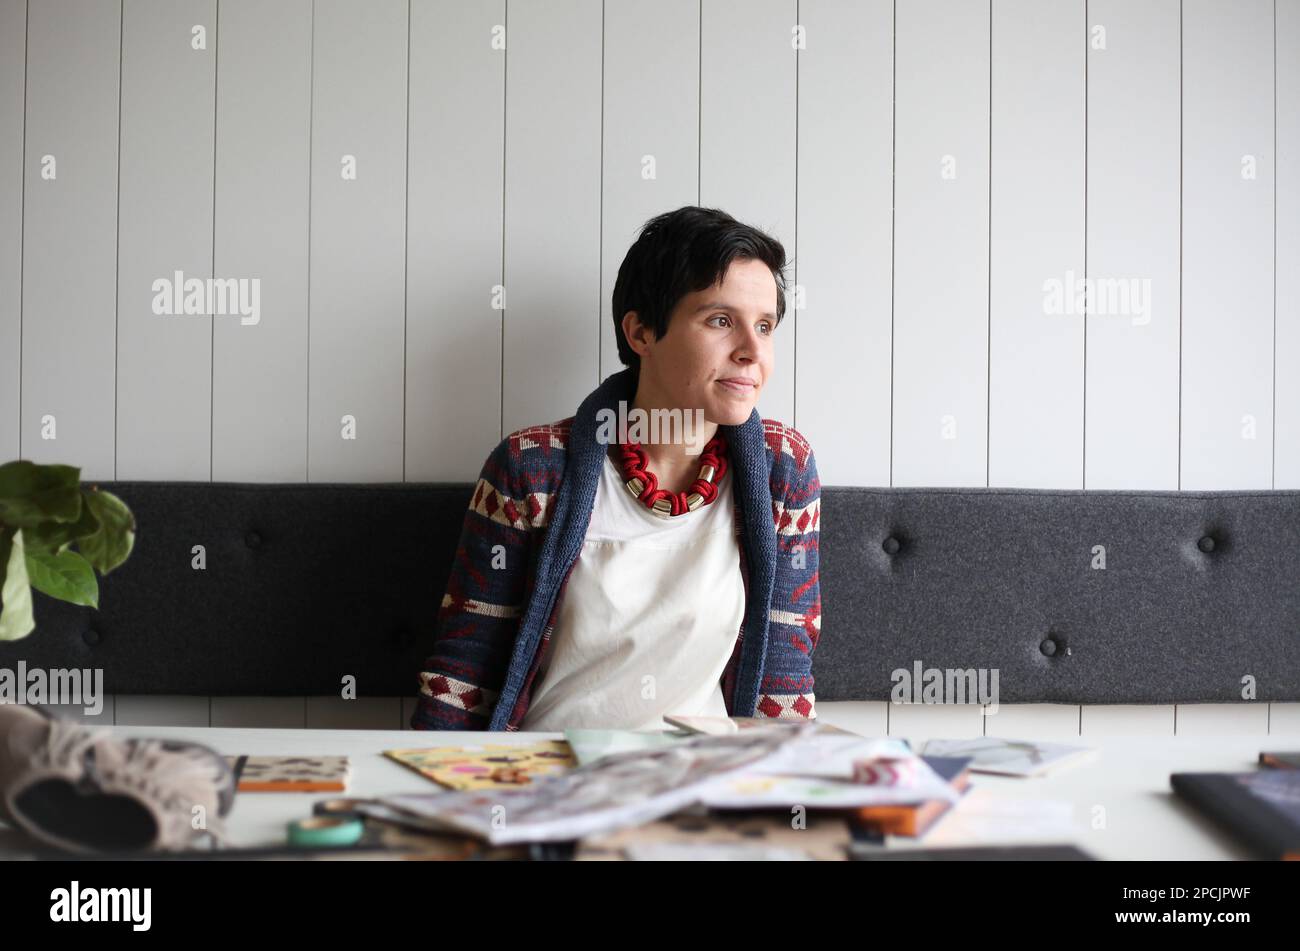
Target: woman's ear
x,y
638,335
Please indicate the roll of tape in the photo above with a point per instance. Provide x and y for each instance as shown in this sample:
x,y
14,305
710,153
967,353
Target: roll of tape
x,y
346,808
325,830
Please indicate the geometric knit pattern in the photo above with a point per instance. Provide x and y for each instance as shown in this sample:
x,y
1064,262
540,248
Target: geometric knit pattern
x,y
786,706
492,582
531,511
456,693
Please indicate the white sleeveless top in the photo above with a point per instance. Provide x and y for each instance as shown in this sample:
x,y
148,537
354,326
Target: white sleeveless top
x,y
648,620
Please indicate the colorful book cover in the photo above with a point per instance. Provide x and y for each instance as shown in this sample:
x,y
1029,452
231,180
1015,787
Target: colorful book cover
x,y
291,773
487,766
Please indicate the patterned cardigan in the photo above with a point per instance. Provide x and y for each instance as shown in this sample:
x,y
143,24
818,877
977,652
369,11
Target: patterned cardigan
x,y
523,533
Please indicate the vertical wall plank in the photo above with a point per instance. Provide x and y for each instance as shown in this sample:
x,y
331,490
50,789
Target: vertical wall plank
x,y
651,141
1037,243
141,710
923,721
1131,417
1227,380
863,717
358,241
72,711
941,244
552,215
845,232
453,332
164,361
1287,251
288,713
1030,721
361,713
13,71
1284,718
748,107
1222,719
1127,719
70,235
259,370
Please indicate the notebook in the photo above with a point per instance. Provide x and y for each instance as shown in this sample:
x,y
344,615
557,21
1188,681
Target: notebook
x,y
1262,809
1005,757
291,773
914,819
488,766
1288,760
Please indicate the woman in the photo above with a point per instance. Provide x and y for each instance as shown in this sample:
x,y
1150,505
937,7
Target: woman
x,y
610,572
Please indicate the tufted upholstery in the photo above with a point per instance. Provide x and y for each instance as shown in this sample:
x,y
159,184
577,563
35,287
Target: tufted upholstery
x,y
307,583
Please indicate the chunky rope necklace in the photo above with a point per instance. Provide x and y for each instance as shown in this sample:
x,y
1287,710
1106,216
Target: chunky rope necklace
x,y
643,485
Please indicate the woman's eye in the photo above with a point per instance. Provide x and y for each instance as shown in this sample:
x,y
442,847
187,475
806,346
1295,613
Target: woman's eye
x,y
725,317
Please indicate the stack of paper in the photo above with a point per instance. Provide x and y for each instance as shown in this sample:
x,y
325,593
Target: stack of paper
x,y
784,764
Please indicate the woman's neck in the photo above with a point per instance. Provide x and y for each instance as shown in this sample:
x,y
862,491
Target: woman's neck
x,y
676,474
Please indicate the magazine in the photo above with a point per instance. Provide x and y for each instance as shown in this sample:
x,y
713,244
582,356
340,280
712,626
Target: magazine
x,y
641,785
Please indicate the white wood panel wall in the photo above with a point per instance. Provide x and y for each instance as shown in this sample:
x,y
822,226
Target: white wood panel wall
x,y
70,219
1228,173
455,201
1131,405
930,165
1286,253
941,244
357,302
13,39
164,225
263,193
1036,235
552,210
845,225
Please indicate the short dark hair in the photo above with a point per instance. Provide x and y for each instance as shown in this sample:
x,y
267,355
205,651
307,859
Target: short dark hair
x,y
682,251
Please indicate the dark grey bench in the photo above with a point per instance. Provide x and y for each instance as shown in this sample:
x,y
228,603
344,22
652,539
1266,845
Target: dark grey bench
x,y
307,583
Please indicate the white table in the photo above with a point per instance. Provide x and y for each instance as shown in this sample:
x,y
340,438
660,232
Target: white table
x,y
1121,803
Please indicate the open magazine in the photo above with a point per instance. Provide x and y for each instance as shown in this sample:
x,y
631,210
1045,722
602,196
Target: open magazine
x,y
782,764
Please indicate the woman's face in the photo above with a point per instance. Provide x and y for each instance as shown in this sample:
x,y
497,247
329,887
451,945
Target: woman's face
x,y
720,333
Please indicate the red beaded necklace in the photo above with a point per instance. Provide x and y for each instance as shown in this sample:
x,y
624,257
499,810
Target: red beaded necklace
x,y
643,485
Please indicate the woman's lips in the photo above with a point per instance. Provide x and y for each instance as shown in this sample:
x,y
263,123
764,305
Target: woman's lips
x,y
741,388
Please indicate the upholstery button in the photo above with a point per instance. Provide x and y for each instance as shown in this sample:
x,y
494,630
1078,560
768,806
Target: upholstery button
x,y
1048,646
891,545
91,636
1206,544
253,540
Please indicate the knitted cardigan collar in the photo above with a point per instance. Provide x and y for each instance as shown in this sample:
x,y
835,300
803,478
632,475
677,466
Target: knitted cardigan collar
x,y
576,497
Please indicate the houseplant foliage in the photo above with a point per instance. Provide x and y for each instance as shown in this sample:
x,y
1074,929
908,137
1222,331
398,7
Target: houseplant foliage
x,y
44,515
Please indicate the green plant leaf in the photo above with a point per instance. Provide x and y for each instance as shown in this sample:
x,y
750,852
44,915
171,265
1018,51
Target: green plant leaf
x,y
54,537
31,493
16,619
66,576
111,544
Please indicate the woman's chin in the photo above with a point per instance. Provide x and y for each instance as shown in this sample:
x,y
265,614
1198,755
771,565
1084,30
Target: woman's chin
x,y
734,414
